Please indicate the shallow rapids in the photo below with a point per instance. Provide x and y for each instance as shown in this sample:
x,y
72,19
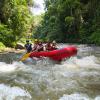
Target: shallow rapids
x,y
76,78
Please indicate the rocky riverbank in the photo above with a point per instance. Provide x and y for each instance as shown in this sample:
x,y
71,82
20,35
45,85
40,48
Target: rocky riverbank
x,y
19,48
11,50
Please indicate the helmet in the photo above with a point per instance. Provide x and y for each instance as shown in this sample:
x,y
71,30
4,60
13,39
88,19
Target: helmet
x,y
36,40
54,41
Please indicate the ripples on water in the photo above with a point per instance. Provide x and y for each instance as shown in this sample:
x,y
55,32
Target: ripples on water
x,y
77,78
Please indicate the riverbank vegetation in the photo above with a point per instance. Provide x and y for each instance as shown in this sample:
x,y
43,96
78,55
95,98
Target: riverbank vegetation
x,y
15,20
67,21
76,21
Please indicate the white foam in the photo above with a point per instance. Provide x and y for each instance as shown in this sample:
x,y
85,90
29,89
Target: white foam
x,y
10,93
9,67
97,98
75,96
89,61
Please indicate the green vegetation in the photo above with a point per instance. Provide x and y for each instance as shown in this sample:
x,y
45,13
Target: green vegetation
x,y
2,46
73,21
70,21
15,20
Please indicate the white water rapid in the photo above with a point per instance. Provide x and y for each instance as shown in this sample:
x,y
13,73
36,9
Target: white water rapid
x,y
76,78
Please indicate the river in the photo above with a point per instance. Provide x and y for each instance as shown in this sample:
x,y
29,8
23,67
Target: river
x,y
76,78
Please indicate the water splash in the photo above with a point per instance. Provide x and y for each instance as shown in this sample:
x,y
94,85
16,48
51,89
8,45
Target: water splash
x,y
78,96
13,67
13,93
75,96
46,80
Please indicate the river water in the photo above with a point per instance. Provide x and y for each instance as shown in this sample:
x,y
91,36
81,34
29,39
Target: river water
x,y
76,78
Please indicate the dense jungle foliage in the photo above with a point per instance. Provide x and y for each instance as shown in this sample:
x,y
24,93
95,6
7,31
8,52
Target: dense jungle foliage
x,y
15,20
70,21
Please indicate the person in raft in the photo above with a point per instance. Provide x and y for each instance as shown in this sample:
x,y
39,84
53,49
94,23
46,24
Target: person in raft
x,y
35,45
28,46
40,46
54,45
51,46
48,46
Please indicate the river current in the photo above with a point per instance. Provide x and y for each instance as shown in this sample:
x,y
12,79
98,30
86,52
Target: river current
x,y
76,78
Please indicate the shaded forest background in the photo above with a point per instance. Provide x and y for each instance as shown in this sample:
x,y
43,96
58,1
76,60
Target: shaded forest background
x,y
67,21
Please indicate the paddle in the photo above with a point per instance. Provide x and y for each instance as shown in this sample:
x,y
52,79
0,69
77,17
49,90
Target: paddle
x,y
24,57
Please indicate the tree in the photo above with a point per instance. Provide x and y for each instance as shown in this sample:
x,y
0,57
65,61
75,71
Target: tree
x,y
71,21
16,16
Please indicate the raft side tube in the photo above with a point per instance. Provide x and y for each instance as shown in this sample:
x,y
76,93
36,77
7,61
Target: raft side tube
x,y
58,54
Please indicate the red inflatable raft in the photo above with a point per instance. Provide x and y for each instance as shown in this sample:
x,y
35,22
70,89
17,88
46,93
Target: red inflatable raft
x,y
57,55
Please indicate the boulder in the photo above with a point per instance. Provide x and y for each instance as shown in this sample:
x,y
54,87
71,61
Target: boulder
x,y
19,46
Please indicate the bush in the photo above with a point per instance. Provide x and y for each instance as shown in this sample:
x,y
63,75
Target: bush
x,y
2,46
95,37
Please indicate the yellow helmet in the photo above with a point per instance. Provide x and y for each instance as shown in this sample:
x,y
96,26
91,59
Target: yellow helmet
x,y
53,41
36,40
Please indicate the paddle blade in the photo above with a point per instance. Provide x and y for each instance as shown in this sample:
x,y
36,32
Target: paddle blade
x,y
24,57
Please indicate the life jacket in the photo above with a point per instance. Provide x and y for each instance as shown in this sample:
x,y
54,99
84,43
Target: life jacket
x,y
48,47
54,47
40,47
28,47
35,47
